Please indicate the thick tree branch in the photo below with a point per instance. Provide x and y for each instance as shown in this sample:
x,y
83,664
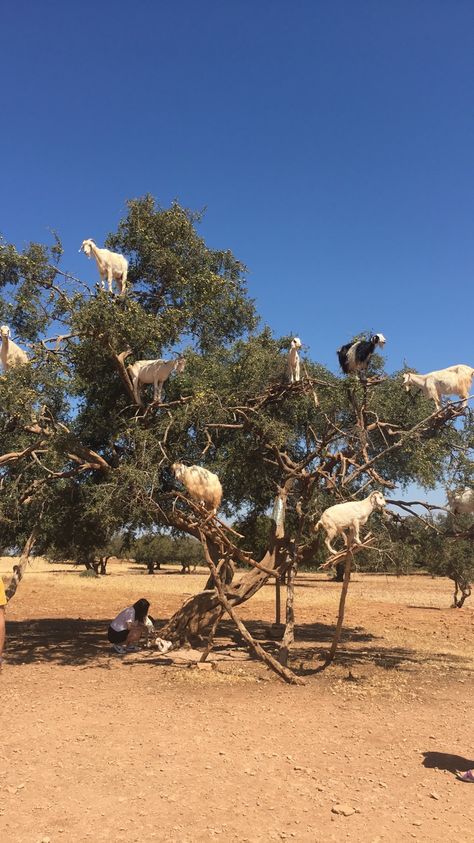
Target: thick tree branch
x,y
19,570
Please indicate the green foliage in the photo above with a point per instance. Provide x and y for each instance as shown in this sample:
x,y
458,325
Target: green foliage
x,y
74,524
25,279
92,466
166,549
191,289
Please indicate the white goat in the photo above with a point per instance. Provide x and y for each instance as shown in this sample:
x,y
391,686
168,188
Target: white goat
x,y
294,360
461,500
155,372
454,380
348,516
202,485
10,354
111,265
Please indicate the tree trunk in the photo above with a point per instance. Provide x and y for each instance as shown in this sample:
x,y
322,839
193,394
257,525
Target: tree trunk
x,y
281,670
461,586
226,570
289,635
103,564
19,570
340,568
197,615
342,604
210,641
277,602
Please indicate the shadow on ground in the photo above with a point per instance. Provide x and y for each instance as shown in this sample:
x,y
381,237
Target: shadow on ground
x,y
445,761
78,641
67,641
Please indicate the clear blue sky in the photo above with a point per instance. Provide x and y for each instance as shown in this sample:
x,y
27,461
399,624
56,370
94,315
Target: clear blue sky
x,y
332,143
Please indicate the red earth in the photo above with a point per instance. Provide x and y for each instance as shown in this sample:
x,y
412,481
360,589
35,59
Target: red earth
x,y
99,747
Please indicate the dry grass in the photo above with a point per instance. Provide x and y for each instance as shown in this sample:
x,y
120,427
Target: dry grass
x,y
314,589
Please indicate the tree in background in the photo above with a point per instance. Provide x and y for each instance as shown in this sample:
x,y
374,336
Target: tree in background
x,y
154,550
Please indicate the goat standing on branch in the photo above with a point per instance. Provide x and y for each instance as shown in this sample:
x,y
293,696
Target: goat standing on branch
x,y
355,356
454,380
347,518
155,372
461,501
294,360
111,265
202,485
10,354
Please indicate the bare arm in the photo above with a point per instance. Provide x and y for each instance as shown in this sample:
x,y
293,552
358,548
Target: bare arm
x,y
2,632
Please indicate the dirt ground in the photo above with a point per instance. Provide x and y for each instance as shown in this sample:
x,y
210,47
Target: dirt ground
x,y
101,747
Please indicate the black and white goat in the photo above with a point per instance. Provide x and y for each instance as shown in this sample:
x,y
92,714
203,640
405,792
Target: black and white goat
x,y
355,356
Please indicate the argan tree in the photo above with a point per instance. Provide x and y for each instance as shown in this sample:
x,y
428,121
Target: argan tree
x,y
81,461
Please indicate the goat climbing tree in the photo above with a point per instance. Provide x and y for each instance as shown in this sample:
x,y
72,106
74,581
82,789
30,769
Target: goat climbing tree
x,y
82,461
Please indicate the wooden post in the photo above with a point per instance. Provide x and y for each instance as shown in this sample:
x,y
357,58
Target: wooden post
x,y
210,640
289,635
277,601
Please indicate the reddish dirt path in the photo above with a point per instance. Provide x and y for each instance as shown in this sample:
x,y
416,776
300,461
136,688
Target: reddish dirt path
x,y
103,748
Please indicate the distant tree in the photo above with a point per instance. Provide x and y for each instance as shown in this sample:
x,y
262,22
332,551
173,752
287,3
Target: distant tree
x,y
452,554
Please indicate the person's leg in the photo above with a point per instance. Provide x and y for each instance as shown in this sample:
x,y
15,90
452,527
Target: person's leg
x,y
2,632
134,634
117,639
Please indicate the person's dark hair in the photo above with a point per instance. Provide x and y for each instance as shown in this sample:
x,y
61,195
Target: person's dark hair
x,y
141,609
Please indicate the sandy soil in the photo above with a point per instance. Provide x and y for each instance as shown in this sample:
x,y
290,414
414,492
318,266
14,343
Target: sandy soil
x,y
98,747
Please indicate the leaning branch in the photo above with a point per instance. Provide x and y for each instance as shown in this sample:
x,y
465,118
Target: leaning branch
x,y
19,570
431,422
120,366
282,671
16,456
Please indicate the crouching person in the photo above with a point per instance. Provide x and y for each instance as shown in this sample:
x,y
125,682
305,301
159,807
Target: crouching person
x,y
133,624
129,626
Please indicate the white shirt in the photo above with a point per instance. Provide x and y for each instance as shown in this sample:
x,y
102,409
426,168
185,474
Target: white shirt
x,y
123,619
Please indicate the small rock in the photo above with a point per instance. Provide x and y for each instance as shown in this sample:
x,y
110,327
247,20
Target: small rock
x,y
434,795
345,810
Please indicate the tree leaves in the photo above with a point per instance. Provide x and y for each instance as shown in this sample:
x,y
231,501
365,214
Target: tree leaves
x,y
93,463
